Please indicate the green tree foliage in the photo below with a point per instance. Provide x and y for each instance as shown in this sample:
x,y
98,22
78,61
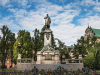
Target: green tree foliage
x,y
62,49
75,52
12,41
37,42
24,39
96,53
41,38
90,47
89,61
15,53
4,45
85,46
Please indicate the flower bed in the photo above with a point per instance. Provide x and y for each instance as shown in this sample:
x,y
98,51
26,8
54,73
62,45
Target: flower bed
x,y
59,71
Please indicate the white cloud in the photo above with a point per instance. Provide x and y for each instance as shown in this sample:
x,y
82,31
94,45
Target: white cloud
x,y
22,2
74,5
94,21
29,20
97,8
60,15
4,2
12,10
28,6
89,13
8,6
85,9
87,2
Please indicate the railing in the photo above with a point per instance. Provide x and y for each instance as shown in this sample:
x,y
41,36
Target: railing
x,y
25,60
74,61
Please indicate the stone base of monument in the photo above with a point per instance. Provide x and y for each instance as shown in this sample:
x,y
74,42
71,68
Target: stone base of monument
x,y
73,66
54,57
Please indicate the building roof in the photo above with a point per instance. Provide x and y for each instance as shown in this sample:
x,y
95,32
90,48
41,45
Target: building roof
x,y
96,31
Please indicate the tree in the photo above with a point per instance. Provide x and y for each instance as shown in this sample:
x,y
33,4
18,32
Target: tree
x,y
12,41
75,53
25,40
15,53
37,42
85,46
42,38
4,45
89,61
96,53
62,49
91,47
27,45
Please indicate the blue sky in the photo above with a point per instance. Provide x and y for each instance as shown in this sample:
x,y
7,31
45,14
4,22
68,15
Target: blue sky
x,y
69,18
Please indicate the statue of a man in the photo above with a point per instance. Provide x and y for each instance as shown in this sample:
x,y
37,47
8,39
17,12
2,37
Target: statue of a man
x,y
47,21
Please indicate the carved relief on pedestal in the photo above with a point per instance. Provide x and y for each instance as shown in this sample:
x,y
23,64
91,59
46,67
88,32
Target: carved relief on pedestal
x,y
47,36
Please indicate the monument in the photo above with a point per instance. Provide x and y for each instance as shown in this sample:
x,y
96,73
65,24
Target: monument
x,y
48,55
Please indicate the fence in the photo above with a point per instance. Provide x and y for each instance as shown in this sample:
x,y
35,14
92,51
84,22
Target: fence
x,y
25,60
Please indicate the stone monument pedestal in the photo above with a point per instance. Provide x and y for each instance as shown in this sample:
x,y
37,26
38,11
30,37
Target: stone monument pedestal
x,y
50,58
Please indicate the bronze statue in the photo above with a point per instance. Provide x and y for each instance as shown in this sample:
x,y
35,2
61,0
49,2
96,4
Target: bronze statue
x,y
47,21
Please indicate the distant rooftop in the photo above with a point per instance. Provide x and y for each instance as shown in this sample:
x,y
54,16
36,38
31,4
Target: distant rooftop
x,y
96,31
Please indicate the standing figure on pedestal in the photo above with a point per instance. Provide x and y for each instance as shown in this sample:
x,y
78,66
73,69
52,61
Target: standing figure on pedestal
x,y
47,21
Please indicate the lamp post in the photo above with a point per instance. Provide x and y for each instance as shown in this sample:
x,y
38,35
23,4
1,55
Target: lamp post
x,y
26,54
19,55
65,55
80,53
80,48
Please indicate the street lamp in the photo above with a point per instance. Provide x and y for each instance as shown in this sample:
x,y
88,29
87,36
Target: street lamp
x,y
80,48
19,55
80,51
65,55
19,46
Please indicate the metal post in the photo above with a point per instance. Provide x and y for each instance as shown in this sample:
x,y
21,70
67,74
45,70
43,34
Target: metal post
x,y
80,53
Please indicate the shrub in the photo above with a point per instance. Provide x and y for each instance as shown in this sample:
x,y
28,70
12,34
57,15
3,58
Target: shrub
x,y
89,61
